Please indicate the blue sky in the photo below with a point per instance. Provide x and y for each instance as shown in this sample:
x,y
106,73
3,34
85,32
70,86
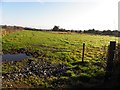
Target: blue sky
x,y
78,14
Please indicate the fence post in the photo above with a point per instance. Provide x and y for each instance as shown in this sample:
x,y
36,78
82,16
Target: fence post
x,y
83,52
111,52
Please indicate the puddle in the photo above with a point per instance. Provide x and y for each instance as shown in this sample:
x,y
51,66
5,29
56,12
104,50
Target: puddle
x,y
14,57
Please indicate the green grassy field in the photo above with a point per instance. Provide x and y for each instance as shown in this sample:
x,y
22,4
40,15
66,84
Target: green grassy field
x,y
59,48
59,40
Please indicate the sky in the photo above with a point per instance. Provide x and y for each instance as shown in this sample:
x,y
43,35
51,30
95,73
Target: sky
x,y
68,14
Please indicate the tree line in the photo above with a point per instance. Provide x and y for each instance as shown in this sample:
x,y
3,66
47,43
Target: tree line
x,y
90,31
58,29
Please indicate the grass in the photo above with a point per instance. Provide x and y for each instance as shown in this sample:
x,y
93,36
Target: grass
x,y
61,48
72,41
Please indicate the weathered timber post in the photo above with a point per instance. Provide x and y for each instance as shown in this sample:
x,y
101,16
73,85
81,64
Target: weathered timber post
x,y
111,53
83,52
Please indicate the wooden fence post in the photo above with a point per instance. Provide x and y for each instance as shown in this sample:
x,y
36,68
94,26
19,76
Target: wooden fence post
x,y
83,52
111,52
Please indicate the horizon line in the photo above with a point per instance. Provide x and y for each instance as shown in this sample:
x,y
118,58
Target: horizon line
x,y
55,25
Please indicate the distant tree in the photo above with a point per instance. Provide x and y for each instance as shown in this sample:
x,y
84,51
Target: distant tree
x,y
72,30
80,31
107,32
62,30
55,28
118,34
76,31
4,26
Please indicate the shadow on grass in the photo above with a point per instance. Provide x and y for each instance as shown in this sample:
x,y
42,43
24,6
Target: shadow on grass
x,y
77,82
